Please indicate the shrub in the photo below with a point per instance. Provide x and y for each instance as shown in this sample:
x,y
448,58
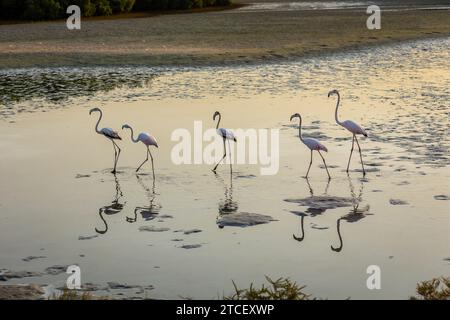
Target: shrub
x,y
119,6
280,289
142,5
102,8
223,2
197,3
160,4
72,295
209,3
11,9
435,289
54,9
41,9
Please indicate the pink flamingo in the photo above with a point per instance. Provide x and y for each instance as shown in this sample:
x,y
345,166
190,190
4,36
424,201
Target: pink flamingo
x,y
148,141
110,134
226,135
351,126
312,144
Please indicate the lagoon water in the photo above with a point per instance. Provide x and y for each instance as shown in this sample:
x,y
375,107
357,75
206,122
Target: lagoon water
x,y
174,238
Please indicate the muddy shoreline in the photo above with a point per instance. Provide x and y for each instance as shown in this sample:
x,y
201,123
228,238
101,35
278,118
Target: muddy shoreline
x,y
210,38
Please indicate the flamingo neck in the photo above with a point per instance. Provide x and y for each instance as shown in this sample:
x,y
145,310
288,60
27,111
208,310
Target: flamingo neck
x,y
220,117
98,122
132,135
336,111
300,129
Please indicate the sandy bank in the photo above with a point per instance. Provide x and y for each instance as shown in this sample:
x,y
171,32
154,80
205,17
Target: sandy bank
x,y
235,36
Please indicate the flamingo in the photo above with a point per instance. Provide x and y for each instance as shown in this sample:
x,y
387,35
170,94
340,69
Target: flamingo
x,y
111,135
148,141
312,144
226,135
351,126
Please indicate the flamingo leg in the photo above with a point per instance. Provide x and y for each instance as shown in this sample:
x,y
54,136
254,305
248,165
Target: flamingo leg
x,y
224,155
118,153
351,152
231,164
115,157
360,155
311,191
146,159
329,177
341,244
310,163
151,158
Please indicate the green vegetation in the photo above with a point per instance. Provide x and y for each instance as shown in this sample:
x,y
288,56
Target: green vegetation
x,y
142,5
56,9
435,289
280,289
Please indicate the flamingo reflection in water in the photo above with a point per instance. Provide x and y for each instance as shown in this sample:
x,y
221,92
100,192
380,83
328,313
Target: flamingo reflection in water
x,y
115,207
354,215
313,212
149,212
227,205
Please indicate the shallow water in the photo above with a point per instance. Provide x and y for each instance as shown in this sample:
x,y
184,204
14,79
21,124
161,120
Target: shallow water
x,y
191,232
341,5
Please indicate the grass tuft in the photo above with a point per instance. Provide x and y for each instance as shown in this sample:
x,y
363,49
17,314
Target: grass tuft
x,y
68,294
434,289
280,289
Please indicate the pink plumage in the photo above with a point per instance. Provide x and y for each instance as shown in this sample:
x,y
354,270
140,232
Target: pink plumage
x,y
353,127
110,134
312,144
147,139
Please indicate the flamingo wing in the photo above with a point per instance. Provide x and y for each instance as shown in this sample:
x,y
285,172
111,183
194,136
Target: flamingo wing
x,y
353,127
148,139
313,144
110,133
226,134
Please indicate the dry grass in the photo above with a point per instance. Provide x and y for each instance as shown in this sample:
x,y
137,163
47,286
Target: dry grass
x,y
73,295
434,289
280,289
